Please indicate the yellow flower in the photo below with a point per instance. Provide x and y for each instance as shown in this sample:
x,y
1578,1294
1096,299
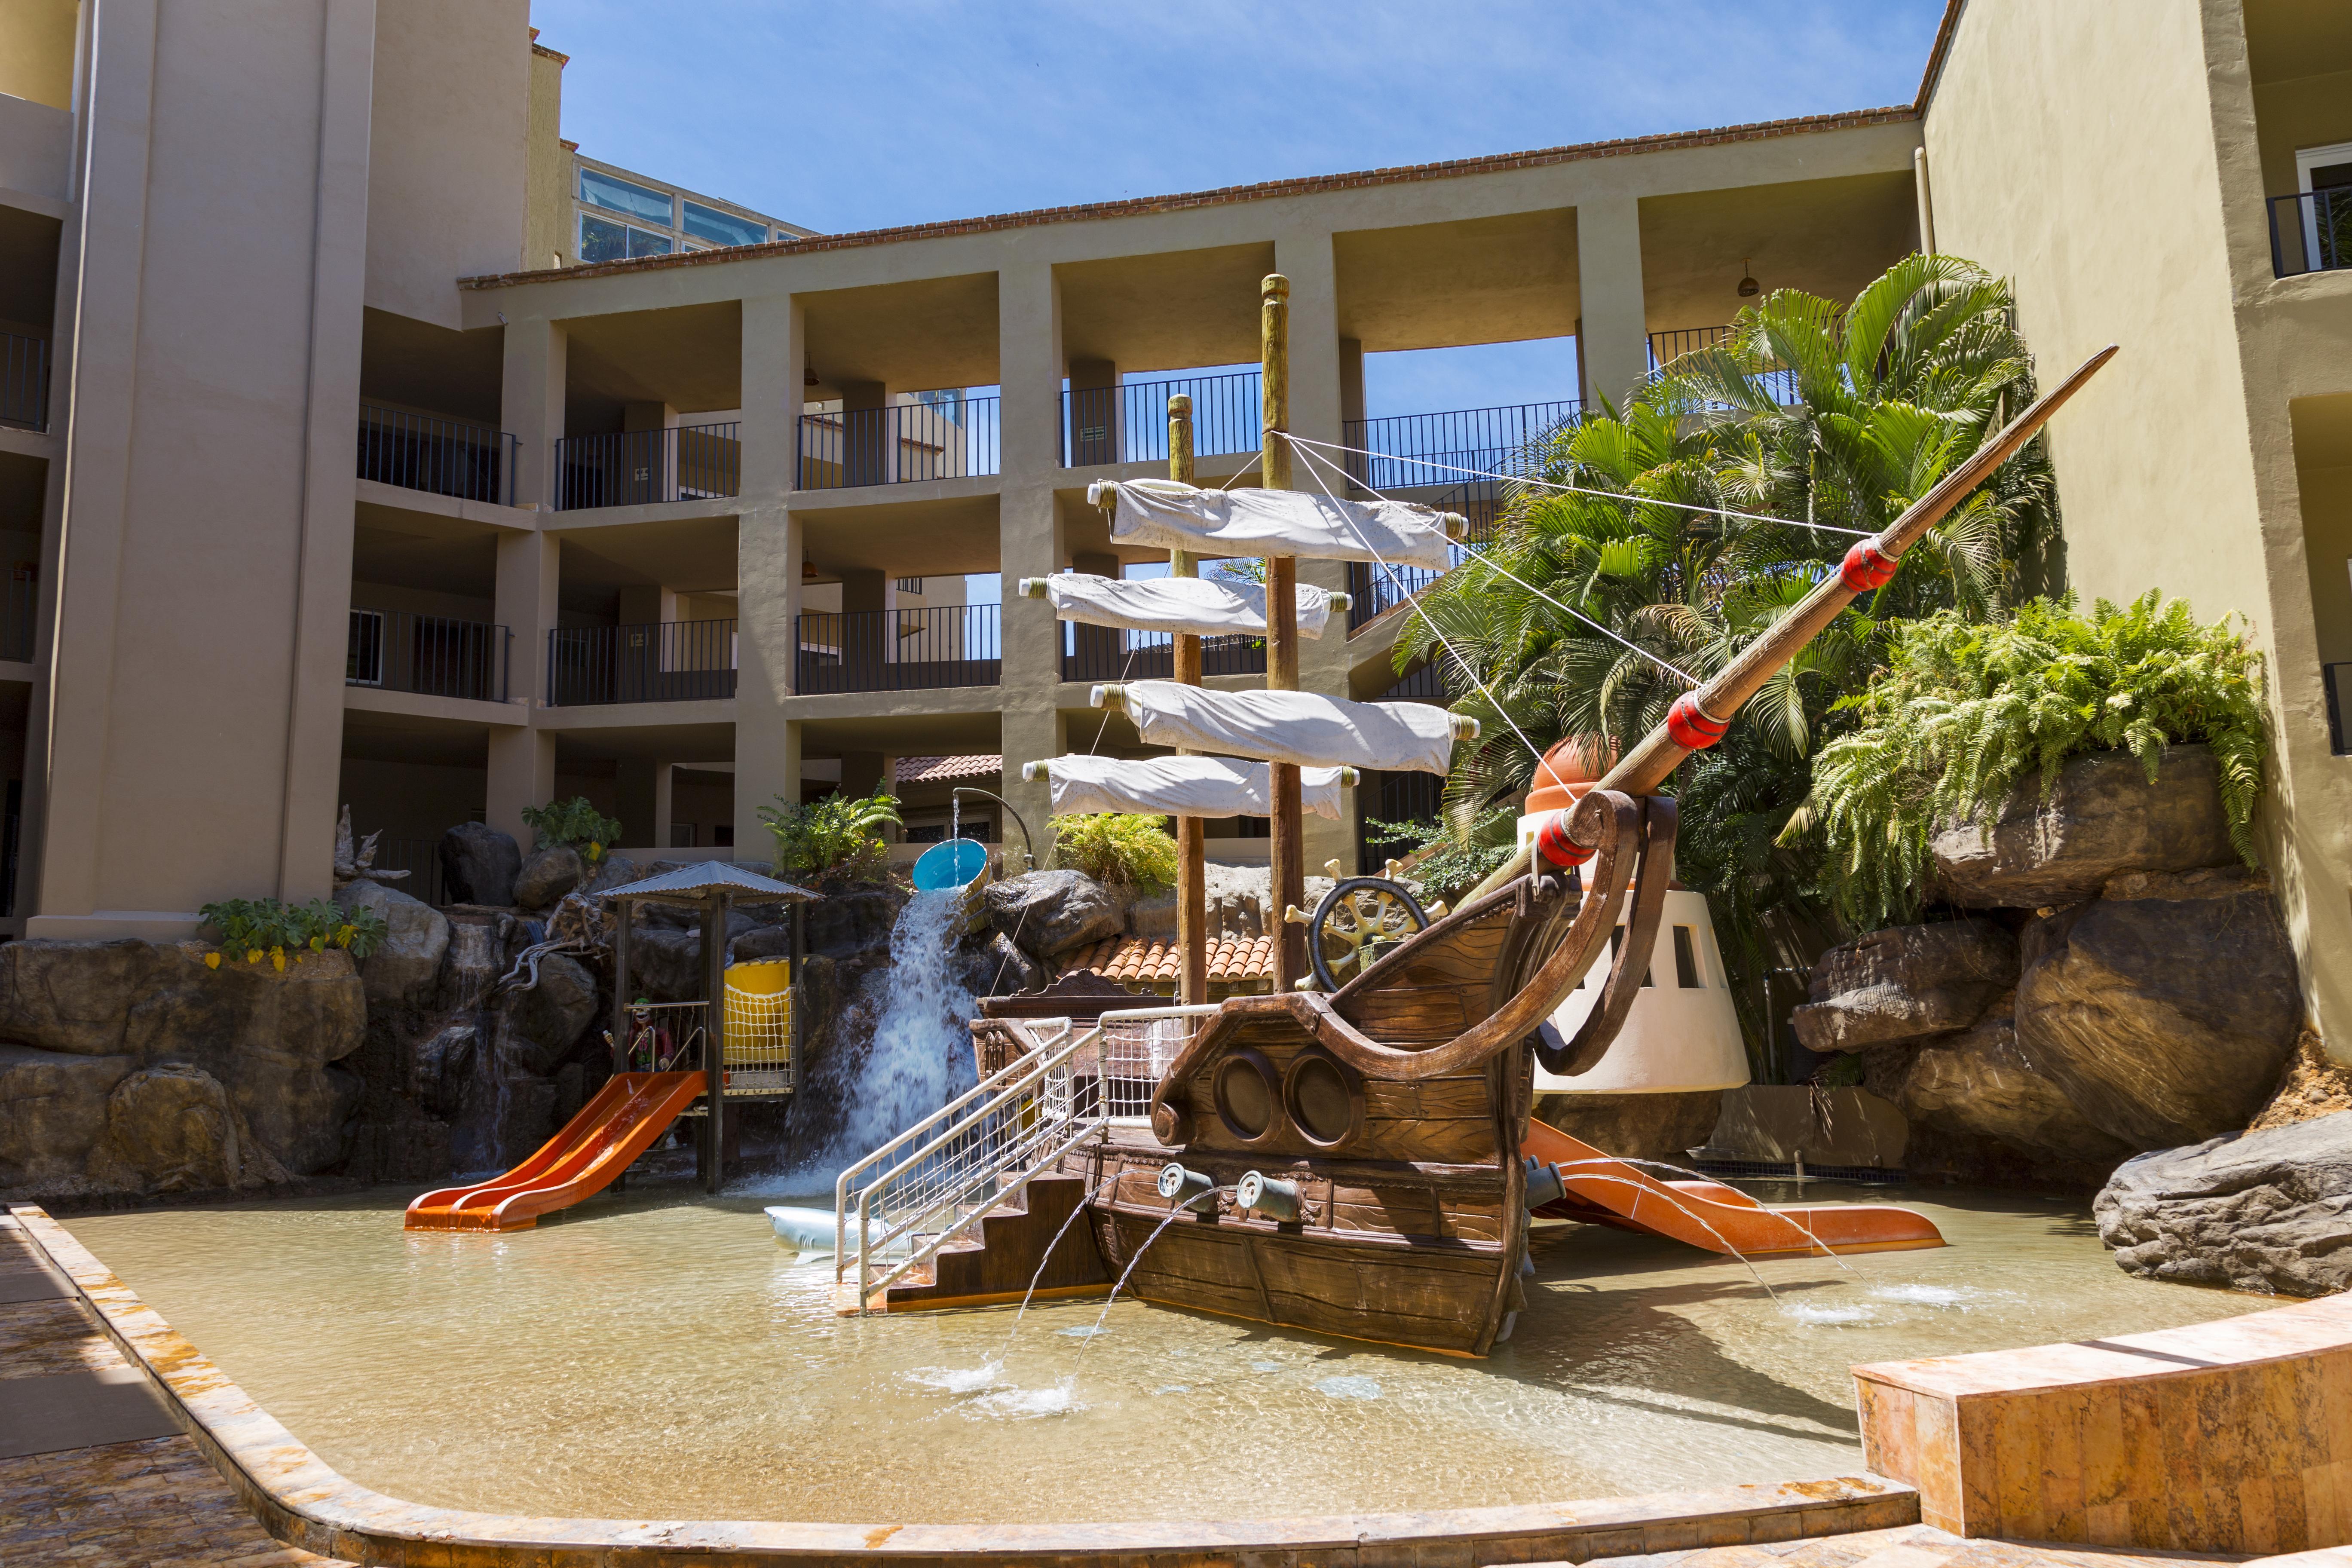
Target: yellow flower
x,y
278,958
212,961
253,956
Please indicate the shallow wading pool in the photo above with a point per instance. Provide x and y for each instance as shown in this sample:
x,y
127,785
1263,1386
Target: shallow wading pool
x,y
657,1356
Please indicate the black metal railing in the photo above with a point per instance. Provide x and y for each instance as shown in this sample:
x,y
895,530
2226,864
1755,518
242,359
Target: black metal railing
x,y
2311,231
937,437
1375,589
18,608
420,857
1669,346
900,650
435,656
636,467
666,661
445,457
24,381
1405,799
1129,423
1420,449
2338,679
1112,653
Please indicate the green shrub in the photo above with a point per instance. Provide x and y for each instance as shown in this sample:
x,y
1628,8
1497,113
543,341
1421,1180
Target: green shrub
x,y
573,822
838,838
1448,863
1117,849
255,928
1965,714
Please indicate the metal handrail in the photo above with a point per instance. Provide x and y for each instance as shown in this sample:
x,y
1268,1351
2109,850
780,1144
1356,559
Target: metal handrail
x,y
1129,423
24,380
2320,225
639,467
942,434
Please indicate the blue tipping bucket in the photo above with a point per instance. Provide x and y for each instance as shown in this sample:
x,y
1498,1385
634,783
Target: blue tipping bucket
x,y
951,863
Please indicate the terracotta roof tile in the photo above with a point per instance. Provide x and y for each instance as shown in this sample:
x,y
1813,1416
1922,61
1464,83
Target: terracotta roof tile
x,y
1132,961
945,770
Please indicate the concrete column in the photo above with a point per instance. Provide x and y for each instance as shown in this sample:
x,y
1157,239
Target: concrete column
x,y
768,558
867,450
1030,534
533,368
1612,342
523,760
1319,362
1094,433
1351,403
644,804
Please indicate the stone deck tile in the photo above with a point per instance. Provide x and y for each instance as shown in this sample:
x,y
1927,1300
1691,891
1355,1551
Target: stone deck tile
x,y
1913,1546
153,1504
38,1338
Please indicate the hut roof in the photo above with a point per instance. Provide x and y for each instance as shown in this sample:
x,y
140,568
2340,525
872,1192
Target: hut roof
x,y
690,884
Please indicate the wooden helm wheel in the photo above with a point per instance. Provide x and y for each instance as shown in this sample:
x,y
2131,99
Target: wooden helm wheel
x,y
1358,921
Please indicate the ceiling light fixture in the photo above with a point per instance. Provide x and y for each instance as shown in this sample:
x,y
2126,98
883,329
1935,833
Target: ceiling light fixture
x,y
1748,287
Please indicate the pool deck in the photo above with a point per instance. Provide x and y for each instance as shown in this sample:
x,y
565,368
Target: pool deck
x,y
111,1378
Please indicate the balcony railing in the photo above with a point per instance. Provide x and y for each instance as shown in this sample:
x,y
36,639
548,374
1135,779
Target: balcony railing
x,y
2338,679
1375,589
667,661
420,857
900,650
938,437
2311,232
1667,347
1110,653
17,610
1129,423
420,452
1421,449
434,655
24,381
637,467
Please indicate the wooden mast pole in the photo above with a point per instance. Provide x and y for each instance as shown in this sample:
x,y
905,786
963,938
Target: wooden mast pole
x,y
1192,845
1289,853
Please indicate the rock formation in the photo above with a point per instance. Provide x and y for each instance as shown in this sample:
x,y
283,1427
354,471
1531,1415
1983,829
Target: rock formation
x,y
1050,912
2104,818
547,875
1978,1083
2254,1211
1906,982
478,865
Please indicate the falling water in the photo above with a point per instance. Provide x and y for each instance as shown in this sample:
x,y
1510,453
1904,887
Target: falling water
x,y
1174,1216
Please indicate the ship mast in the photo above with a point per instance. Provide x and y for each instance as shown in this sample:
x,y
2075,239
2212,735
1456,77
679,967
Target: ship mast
x,y
1191,847
1289,853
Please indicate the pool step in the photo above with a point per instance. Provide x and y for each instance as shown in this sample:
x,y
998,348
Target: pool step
x,y
995,1261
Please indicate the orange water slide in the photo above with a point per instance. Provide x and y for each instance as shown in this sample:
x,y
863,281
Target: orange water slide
x,y
594,1147
1601,1190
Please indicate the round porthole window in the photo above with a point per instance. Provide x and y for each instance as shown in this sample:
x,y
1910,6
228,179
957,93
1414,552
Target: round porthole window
x,y
1322,1099
1246,1095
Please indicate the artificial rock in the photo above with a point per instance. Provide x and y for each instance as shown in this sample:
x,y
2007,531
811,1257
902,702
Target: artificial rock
x,y
547,875
1980,1084
541,1023
1907,982
478,865
2254,1211
2165,1008
1050,912
174,1127
404,970
1636,1126
2104,818
52,1113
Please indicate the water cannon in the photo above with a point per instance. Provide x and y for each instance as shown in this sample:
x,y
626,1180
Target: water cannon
x,y
1543,1184
1187,1186
1278,1200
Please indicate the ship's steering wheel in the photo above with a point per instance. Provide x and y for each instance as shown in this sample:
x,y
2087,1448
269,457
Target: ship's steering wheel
x,y
1360,919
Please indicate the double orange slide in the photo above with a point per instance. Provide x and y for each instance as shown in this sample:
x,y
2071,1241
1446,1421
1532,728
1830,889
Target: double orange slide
x,y
1601,1190
620,1123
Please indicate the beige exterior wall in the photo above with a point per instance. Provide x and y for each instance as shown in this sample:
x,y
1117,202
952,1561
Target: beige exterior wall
x,y
548,239
36,50
2113,161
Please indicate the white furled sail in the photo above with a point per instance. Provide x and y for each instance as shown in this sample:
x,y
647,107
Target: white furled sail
x,y
1304,728
1187,606
1162,514
1181,787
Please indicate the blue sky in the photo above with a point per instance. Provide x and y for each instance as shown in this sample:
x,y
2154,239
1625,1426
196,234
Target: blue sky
x,y
889,111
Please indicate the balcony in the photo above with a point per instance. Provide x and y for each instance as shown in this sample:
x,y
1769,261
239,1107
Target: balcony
x,y
900,650
2337,678
2311,231
643,468
432,656
1417,450
24,381
1129,423
17,609
666,661
1667,347
939,435
1109,653
440,457
1373,589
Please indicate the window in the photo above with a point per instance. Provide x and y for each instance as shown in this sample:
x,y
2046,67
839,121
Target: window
x,y
621,196
1686,960
724,228
681,835
600,239
910,584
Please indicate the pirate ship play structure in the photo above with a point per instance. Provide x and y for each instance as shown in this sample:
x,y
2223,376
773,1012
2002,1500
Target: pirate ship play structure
x,y
1353,1154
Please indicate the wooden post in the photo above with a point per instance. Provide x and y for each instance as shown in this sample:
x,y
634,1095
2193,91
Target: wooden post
x,y
714,1038
1289,852
623,910
800,961
1192,836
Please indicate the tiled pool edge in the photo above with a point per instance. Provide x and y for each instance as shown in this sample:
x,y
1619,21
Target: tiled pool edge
x,y
303,1502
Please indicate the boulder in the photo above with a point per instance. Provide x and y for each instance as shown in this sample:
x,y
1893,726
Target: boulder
x,y
2165,1008
841,924
1777,1123
2256,1211
478,865
1049,912
1636,1126
52,1113
999,969
666,963
1906,982
2104,818
404,970
174,1127
541,1023
547,875
1981,1085
476,960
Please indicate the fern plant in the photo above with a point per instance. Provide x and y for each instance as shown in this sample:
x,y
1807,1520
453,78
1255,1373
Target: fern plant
x,y
1965,714
1117,849
838,838
573,822
1445,857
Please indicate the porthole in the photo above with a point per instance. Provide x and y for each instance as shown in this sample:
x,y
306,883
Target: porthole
x,y
1247,1094
1323,1099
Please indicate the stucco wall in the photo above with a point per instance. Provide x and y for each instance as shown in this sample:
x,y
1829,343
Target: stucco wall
x,y
546,219
2308,111
446,149
36,51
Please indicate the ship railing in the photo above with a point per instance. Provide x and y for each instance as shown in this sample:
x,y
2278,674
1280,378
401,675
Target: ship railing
x,y
1139,1045
942,1176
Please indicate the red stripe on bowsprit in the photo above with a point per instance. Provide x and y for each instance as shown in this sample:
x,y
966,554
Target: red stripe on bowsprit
x,y
1866,567
1690,727
1553,842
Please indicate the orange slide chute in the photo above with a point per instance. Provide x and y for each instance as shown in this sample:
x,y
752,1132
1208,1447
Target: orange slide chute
x,y
1601,1190
620,1123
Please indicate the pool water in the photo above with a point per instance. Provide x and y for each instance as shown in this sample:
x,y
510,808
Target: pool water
x,y
661,1355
